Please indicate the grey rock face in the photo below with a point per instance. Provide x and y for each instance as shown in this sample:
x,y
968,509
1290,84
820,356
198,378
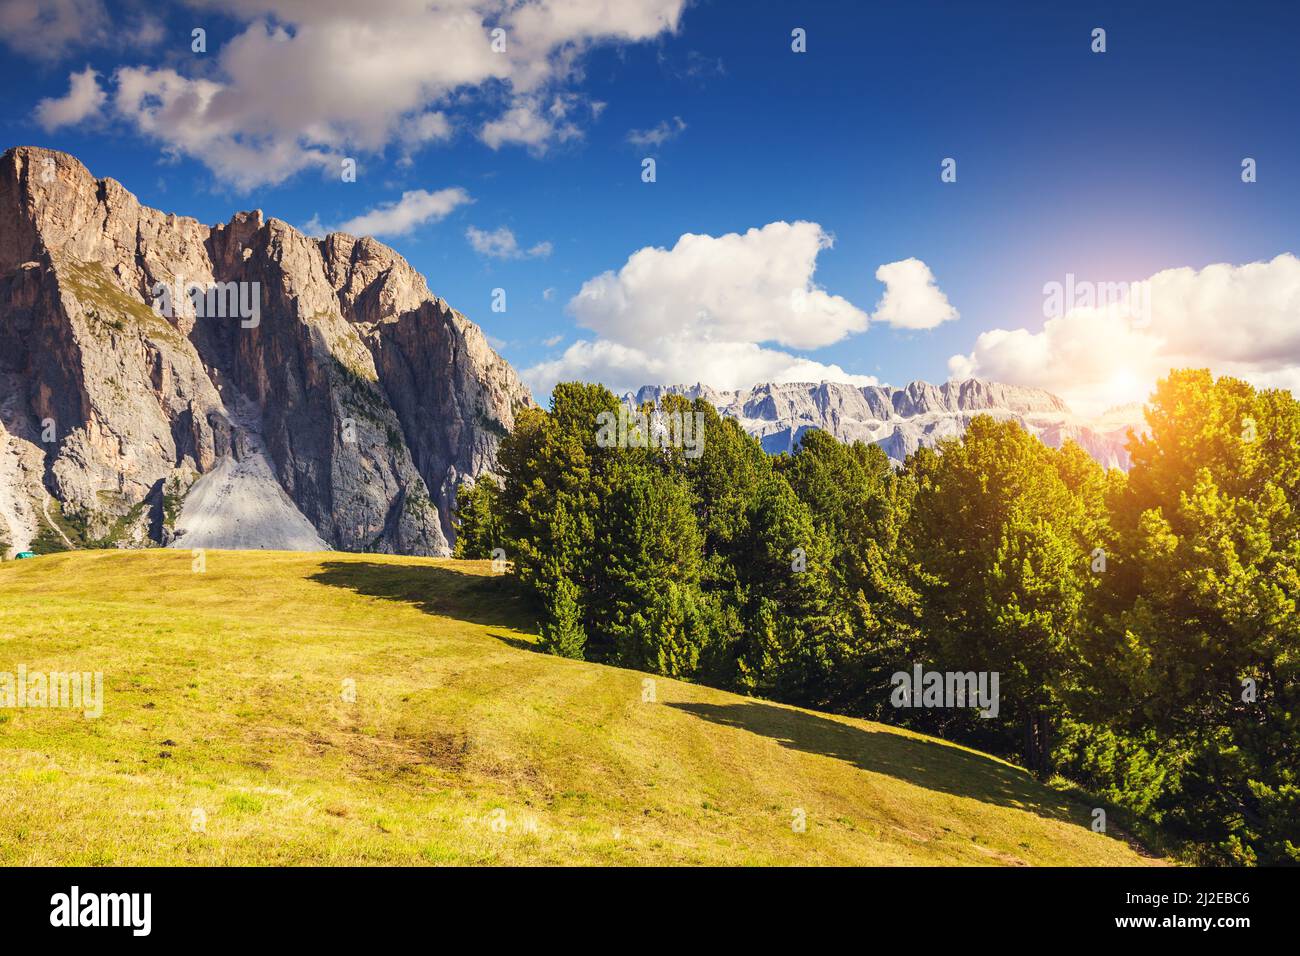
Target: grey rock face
x,y
365,397
901,420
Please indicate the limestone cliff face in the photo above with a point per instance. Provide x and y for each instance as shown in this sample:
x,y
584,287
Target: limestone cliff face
x,y
368,397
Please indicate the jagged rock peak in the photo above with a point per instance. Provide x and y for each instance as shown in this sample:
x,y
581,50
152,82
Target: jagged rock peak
x,y
901,420
358,393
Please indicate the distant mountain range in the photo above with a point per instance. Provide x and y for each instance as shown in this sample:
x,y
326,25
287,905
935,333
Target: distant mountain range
x,y
900,420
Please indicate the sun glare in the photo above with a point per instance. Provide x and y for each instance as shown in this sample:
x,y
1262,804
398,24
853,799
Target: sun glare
x,y
1123,387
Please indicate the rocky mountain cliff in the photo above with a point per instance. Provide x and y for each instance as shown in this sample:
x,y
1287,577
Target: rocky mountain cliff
x,y
900,420
341,410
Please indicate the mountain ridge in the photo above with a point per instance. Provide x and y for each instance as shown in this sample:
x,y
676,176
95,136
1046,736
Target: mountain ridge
x,y
902,419
366,397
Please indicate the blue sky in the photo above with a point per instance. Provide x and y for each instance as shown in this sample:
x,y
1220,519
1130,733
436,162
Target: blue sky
x,y
1111,166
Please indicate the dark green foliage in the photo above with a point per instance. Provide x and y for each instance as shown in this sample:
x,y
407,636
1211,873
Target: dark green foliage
x,y
1128,771
561,629
1122,613
479,528
648,551
1002,531
858,505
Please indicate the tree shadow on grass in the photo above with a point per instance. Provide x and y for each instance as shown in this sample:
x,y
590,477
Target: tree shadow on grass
x,y
519,643
494,601
924,763
497,601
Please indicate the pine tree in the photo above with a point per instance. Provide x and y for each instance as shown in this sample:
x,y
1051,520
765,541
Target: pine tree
x,y
479,527
561,631
859,504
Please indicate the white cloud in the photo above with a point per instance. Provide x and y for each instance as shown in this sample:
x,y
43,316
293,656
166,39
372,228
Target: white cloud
x,y
47,29
314,227
50,29
751,287
552,340
147,33
727,365
306,83
502,244
432,126
415,208
657,135
188,117
705,311
83,100
428,127
912,300
1237,320
530,122
522,124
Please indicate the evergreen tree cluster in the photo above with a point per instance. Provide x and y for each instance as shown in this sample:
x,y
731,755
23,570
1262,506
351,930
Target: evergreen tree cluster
x,y
1144,626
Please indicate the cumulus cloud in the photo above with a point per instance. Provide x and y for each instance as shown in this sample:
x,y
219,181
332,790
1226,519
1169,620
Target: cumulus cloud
x,y
727,365
307,83
534,123
710,309
426,128
83,100
47,29
146,33
912,299
756,287
657,135
1241,320
186,117
525,124
314,227
501,244
432,126
50,29
399,217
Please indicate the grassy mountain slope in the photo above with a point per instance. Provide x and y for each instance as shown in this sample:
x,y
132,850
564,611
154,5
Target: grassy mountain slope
x,y
226,738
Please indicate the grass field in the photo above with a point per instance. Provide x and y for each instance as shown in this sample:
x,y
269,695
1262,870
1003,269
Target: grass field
x,y
227,737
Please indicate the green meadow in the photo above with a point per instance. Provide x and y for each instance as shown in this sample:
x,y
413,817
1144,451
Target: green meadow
x,y
329,708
